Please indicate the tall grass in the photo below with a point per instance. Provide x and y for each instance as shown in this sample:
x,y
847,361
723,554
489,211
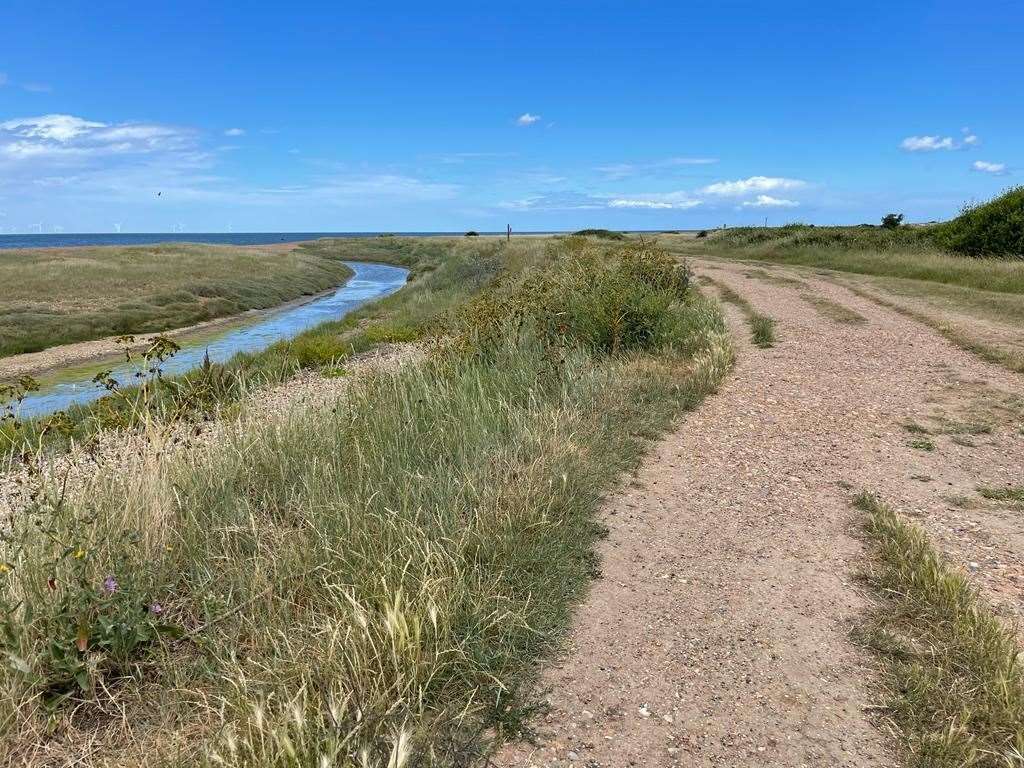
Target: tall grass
x,y
371,584
952,668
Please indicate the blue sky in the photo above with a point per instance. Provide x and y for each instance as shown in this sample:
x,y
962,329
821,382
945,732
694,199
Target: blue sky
x,y
362,116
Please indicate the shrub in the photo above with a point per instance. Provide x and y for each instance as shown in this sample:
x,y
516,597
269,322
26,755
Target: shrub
x,y
702,233
604,234
607,302
892,220
995,228
472,233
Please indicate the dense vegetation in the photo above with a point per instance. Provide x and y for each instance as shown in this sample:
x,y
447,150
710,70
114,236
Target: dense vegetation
x,y
370,584
995,228
604,234
57,296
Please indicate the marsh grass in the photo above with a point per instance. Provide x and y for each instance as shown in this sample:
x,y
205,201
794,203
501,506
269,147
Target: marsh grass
x,y
952,669
58,296
369,584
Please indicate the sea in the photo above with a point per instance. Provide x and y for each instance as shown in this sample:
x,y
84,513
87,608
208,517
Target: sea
x,y
213,238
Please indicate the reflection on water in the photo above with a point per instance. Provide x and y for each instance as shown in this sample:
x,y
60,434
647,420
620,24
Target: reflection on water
x,y
370,281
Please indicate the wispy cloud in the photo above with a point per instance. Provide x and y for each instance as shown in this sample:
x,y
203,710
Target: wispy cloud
x,y
987,167
619,171
767,201
67,137
742,187
235,132
527,119
3,79
37,87
654,204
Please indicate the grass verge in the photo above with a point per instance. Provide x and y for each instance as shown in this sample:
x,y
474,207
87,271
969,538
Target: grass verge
x,y
951,668
833,310
372,584
905,253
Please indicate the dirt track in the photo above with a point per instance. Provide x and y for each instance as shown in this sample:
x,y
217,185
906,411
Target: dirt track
x,y
718,633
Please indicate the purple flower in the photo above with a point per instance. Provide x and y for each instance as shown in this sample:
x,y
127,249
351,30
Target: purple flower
x,y
110,585
156,609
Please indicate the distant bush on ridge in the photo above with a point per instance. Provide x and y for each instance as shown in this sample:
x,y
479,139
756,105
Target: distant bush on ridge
x,y
995,228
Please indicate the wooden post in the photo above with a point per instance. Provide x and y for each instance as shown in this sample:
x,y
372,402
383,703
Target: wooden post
x,y
508,234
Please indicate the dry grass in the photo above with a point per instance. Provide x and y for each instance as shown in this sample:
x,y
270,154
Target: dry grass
x,y
952,669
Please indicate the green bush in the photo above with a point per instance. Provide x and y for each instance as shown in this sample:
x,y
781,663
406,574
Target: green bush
x,y
604,234
588,297
312,350
892,220
995,228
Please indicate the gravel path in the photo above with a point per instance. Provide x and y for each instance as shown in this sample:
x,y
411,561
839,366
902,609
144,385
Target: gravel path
x,y
718,633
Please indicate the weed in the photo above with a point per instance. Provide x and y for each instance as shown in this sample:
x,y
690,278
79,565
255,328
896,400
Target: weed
x,y
922,444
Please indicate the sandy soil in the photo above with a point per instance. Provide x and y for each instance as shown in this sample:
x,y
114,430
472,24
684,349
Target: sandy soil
x,y
718,633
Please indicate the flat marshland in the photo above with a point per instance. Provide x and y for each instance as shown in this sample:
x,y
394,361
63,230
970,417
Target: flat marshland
x,y
61,295
364,584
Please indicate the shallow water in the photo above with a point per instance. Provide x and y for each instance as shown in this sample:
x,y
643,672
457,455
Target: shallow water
x,y
370,281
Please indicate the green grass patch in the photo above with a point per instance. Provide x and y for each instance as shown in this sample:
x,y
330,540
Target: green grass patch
x,y
951,669
994,228
1010,493
762,327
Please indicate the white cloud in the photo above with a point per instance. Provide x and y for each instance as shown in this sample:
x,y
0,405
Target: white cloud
x,y
753,184
37,87
66,137
527,119
60,128
638,204
235,132
767,201
970,139
987,167
927,143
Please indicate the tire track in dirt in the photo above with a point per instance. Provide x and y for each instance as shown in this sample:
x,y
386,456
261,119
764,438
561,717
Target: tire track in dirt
x,y
718,633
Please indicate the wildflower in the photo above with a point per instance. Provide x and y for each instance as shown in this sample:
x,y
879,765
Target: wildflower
x,y
155,608
6,567
78,554
110,585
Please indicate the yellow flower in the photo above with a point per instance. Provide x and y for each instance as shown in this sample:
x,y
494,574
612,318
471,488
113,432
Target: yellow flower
x,y
78,554
6,567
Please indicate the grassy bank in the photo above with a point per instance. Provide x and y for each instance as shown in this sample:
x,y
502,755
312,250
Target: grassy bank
x,y
58,296
442,273
951,668
372,584
902,253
